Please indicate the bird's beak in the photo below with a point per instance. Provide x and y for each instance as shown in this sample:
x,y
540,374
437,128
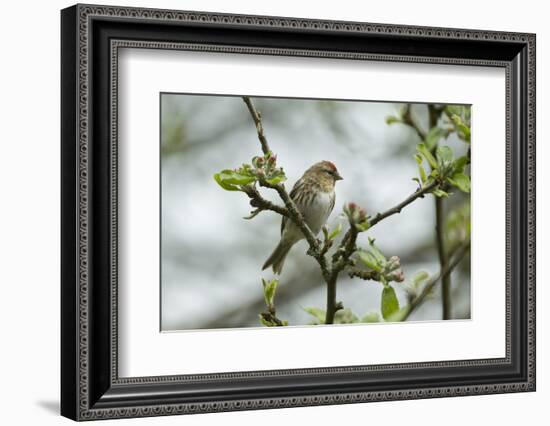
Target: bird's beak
x,y
338,177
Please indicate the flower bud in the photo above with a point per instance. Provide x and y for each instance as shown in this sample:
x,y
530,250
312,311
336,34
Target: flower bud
x,y
397,276
393,263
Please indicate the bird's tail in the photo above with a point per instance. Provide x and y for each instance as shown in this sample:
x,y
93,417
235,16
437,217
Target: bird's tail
x,y
277,258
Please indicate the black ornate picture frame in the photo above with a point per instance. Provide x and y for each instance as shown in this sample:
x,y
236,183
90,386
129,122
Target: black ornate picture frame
x,y
91,387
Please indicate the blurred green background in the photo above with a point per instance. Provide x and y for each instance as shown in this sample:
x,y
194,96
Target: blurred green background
x,y
211,258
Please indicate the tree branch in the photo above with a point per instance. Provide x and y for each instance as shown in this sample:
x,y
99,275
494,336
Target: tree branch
x,y
327,242
340,260
397,209
292,211
443,259
408,119
256,116
434,113
303,281
270,316
347,247
363,274
444,272
342,256
296,216
260,203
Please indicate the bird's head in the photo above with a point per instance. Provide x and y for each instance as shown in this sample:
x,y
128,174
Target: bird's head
x,y
326,169
324,172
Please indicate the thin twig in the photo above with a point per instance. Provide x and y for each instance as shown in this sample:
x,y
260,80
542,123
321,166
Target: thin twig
x,y
434,113
327,242
443,259
303,281
460,252
260,203
364,275
397,209
270,317
256,116
408,119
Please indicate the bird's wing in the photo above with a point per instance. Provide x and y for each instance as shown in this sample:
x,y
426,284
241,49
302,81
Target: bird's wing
x,y
292,195
283,224
332,201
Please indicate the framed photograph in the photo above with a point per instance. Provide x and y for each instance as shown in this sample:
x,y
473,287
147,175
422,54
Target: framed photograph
x,y
263,212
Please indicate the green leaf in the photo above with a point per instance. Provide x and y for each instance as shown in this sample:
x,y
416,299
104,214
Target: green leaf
x,y
363,226
345,316
457,224
460,164
421,170
225,185
276,179
245,170
263,321
454,109
390,304
230,179
380,258
461,181
371,317
390,119
236,178
421,148
335,232
467,112
268,323
369,260
317,313
440,193
462,129
399,315
419,277
269,291
444,154
433,137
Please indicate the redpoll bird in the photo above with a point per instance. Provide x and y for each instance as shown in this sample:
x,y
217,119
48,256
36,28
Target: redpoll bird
x,y
314,196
